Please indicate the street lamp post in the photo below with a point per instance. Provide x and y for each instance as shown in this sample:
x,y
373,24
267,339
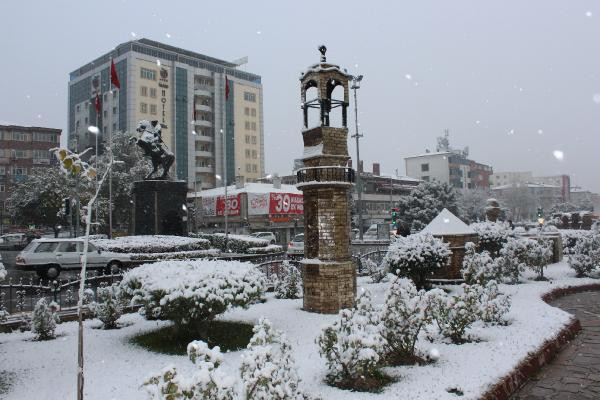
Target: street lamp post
x,y
356,85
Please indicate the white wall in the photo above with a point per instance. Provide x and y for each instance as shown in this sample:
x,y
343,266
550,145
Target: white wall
x,y
438,167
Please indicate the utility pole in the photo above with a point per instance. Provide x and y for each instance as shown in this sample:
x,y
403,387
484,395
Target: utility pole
x,y
224,134
356,85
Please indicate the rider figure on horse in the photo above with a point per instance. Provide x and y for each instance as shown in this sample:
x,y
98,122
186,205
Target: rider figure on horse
x,y
151,142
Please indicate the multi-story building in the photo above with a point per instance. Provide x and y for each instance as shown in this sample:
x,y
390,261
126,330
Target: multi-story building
x,y
510,178
202,103
505,179
22,150
451,167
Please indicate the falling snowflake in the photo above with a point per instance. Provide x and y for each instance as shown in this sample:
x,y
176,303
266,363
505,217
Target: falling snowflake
x,y
39,116
588,14
478,122
355,65
168,35
258,32
28,96
193,132
446,220
408,76
540,132
158,62
511,132
558,154
133,34
596,98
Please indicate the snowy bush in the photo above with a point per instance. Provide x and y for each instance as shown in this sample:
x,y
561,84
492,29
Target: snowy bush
x,y
513,259
570,238
376,271
2,272
405,312
268,369
182,255
267,372
189,292
585,256
289,284
417,257
492,236
44,319
353,346
455,313
233,243
108,306
478,267
151,244
538,255
493,305
272,248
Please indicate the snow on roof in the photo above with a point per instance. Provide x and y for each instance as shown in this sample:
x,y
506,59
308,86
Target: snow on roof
x,y
528,184
447,223
250,187
313,151
436,153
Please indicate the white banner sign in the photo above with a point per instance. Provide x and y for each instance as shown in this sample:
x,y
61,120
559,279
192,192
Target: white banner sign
x,y
258,203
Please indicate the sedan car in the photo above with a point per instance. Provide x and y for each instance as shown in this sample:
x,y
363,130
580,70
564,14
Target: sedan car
x,y
296,246
47,257
270,236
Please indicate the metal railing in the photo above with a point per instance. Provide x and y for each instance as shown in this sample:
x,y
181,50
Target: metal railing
x,y
376,256
326,174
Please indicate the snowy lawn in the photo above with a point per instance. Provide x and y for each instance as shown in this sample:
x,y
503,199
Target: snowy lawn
x,y
115,369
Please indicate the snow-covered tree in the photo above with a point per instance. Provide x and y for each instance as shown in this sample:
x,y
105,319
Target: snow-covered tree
x,y
585,256
471,204
478,267
520,202
538,255
44,319
353,346
417,257
377,272
492,235
268,369
108,306
455,313
513,259
570,238
425,202
405,313
289,286
493,305
562,208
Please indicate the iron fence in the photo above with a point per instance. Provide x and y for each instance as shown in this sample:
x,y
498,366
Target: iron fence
x,y
375,256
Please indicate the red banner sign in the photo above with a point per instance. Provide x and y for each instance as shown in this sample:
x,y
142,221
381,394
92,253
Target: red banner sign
x,y
233,206
286,203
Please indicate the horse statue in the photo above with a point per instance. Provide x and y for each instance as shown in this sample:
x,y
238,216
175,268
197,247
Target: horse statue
x,y
150,141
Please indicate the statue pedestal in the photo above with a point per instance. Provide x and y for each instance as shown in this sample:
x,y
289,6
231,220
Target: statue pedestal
x,y
158,207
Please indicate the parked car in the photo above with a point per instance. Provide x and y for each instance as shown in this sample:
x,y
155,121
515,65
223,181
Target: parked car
x,y
270,236
296,246
48,257
13,241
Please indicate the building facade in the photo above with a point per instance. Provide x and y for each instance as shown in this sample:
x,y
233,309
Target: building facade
x,y
451,167
205,105
506,179
23,149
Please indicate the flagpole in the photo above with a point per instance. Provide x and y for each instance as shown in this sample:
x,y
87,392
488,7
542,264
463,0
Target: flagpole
x,y
110,155
97,134
226,211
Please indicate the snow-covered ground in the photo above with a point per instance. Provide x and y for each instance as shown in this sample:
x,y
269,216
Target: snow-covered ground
x,y
115,369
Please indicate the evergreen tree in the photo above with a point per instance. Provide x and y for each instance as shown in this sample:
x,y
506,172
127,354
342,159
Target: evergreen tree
x,y
425,202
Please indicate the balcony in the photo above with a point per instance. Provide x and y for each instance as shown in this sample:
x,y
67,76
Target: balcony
x,y
208,170
202,107
206,124
200,153
331,175
204,138
202,90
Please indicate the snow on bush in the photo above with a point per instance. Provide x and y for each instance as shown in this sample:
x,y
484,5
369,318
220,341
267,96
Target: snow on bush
x,y
109,305
182,255
538,255
405,313
570,238
492,235
2,272
493,305
272,248
268,368
289,284
188,292
233,243
377,272
417,257
353,346
44,319
585,255
513,258
455,313
267,372
151,244
478,267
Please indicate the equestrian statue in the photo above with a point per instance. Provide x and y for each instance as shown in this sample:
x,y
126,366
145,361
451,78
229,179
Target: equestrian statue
x,y
150,141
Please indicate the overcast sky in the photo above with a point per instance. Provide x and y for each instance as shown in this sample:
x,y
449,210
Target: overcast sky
x,y
514,80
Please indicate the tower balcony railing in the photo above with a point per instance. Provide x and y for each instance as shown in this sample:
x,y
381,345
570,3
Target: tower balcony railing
x,y
326,174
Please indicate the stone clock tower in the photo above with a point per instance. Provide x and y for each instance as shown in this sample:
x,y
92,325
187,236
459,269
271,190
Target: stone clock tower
x,y
329,273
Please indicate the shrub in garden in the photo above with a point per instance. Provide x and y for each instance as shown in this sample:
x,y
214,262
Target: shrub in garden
x,y
513,259
289,286
478,267
272,248
108,306
570,238
492,236
2,272
405,312
493,305
538,255
233,243
151,244
377,272
455,313
353,347
417,257
585,256
44,319
190,292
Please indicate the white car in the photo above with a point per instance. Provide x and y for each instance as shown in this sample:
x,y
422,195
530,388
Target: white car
x,y
270,236
296,246
47,257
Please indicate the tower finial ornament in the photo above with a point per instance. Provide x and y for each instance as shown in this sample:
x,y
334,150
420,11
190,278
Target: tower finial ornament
x,y
323,50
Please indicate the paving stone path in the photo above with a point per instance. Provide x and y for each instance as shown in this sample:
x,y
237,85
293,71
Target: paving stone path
x,y
575,371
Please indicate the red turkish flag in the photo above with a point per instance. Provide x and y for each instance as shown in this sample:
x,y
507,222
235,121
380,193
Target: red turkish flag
x,y
114,78
226,88
97,103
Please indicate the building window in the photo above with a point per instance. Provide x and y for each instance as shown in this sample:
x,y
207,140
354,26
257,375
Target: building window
x,y
247,139
143,91
153,93
250,97
20,136
248,168
254,168
43,155
2,171
19,154
21,171
153,109
247,153
247,125
104,129
254,112
77,108
253,126
105,114
105,96
253,139
86,121
424,167
148,74
143,108
1,188
114,110
247,111
425,178
254,154
114,127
